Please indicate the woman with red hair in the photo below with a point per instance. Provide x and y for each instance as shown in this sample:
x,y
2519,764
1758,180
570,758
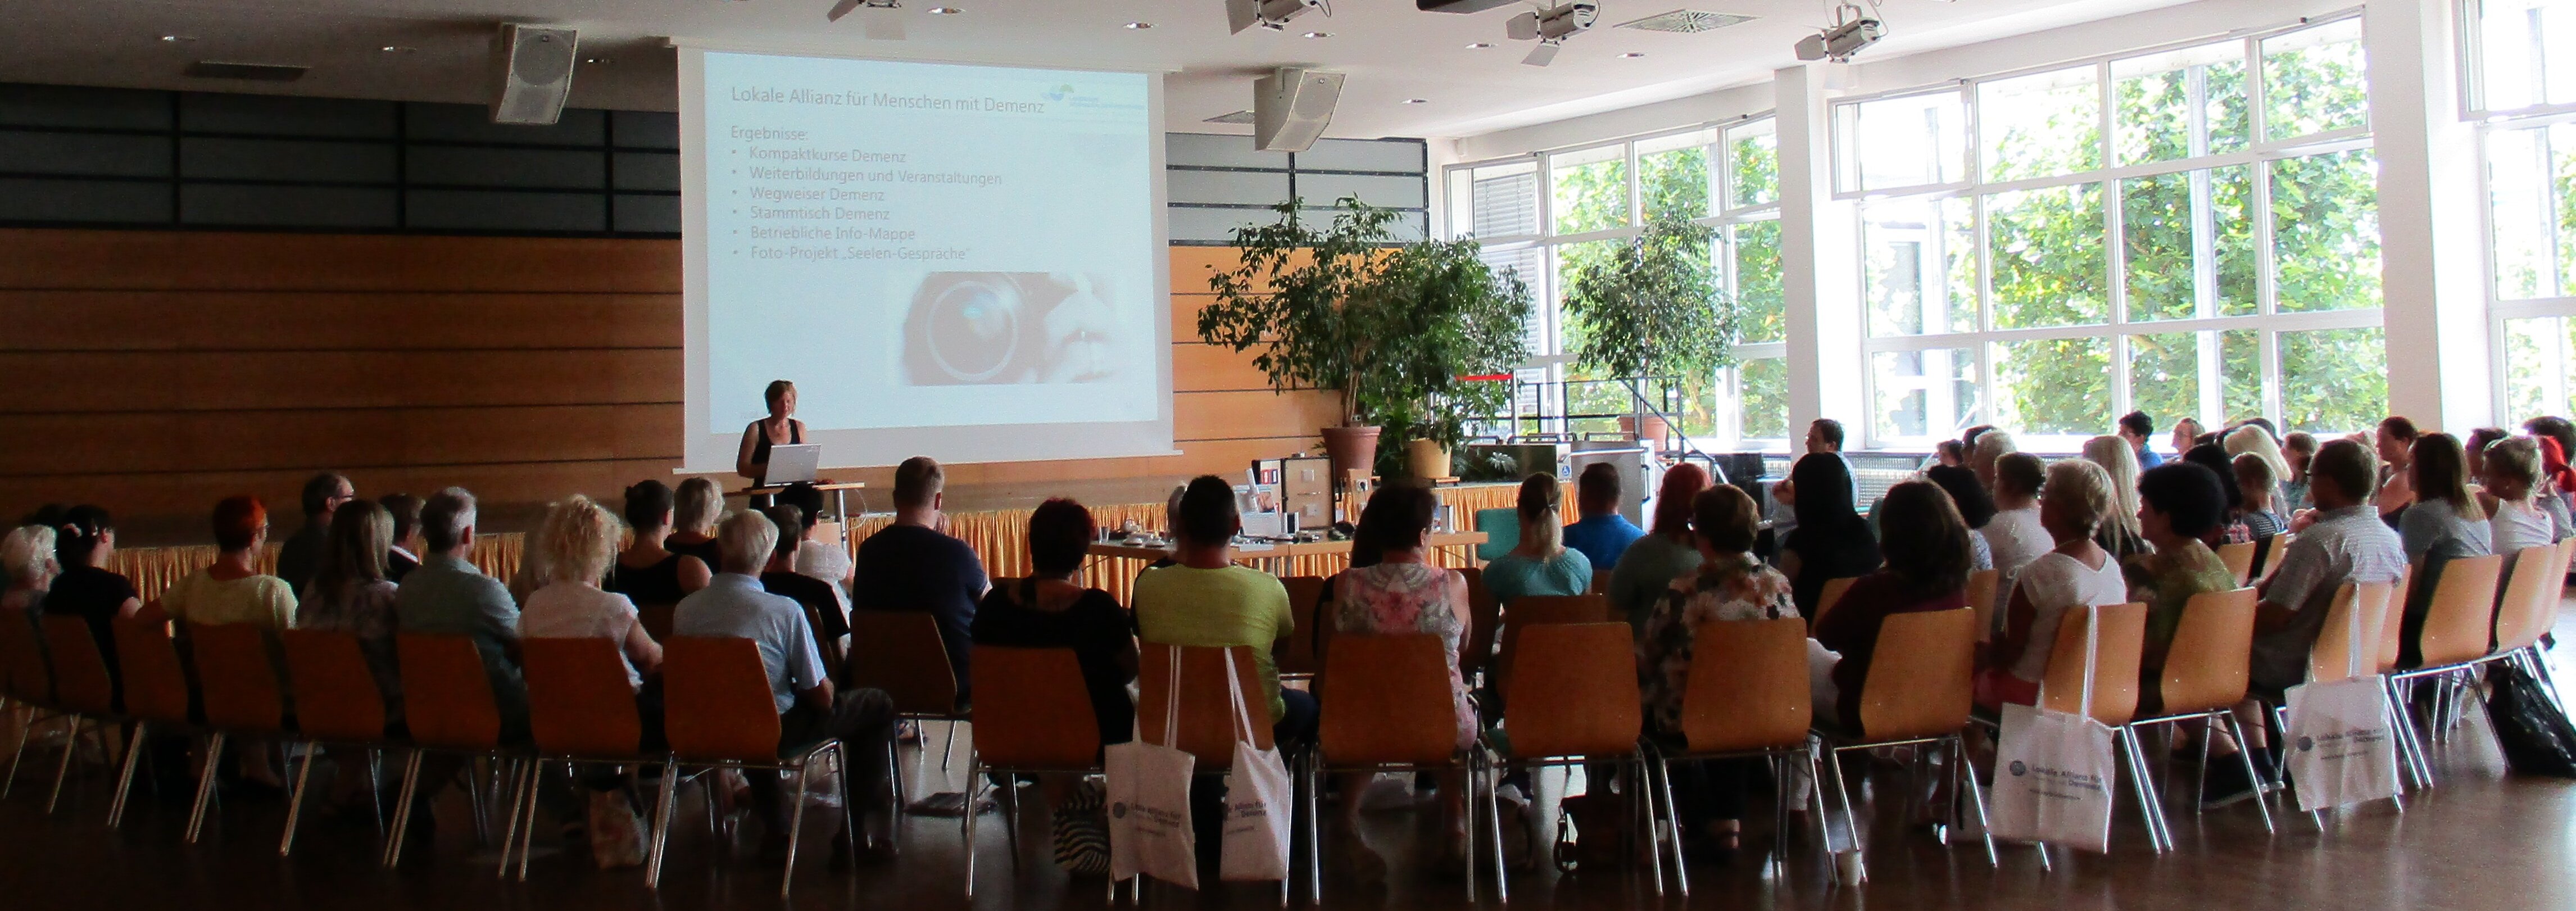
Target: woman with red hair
x,y
233,590
1667,552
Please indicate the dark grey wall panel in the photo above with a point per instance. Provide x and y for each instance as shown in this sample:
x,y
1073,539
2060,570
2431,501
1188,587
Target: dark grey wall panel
x,y
76,106
109,201
283,115
250,205
215,157
644,130
471,123
481,167
647,214
648,171
86,154
487,210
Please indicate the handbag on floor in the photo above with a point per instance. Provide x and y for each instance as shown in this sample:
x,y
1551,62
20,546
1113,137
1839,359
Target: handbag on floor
x,y
616,832
1149,804
2340,747
1082,832
2054,770
2535,736
1260,803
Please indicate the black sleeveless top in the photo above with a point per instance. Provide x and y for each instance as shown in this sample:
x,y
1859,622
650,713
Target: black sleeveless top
x,y
707,552
656,584
760,450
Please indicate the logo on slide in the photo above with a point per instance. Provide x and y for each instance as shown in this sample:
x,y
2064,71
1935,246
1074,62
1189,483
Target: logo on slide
x,y
1061,92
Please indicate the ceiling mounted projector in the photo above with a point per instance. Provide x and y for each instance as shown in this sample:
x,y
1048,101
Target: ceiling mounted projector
x,y
1852,30
1550,26
1269,14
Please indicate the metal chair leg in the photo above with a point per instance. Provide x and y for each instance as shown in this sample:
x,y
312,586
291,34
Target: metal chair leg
x,y
523,815
1851,820
1681,876
966,826
1641,802
403,809
125,778
796,827
295,800
71,747
1976,798
1494,811
205,786
1467,798
20,754
1315,835
664,806
849,812
948,749
1779,815
2245,754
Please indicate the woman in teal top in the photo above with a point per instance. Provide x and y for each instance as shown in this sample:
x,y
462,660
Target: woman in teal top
x,y
1541,564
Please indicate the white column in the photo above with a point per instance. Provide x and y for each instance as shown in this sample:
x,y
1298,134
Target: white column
x,y
2432,243
1819,276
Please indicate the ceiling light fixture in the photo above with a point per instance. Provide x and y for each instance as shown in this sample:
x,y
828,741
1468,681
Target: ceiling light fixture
x,y
1139,26
603,61
945,11
174,39
1481,45
398,49
1319,34
1632,55
1417,101
1269,14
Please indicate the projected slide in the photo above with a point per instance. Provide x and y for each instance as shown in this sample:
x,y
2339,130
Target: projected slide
x,y
960,261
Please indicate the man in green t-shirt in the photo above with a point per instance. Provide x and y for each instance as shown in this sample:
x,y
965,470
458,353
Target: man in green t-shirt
x,y
1206,600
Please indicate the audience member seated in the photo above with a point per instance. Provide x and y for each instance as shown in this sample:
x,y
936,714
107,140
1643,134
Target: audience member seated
x,y
233,590
1540,564
2346,543
826,561
779,428
2186,434
2255,439
821,600
84,540
2556,434
912,566
1975,508
1404,594
301,555
579,538
1052,609
1729,584
734,606
2119,461
695,507
646,572
2257,490
1927,570
1602,534
2474,446
2076,573
2516,517
28,564
1831,541
1666,552
2232,527
353,592
402,555
2016,534
2396,442
2179,502
1988,448
2445,524
448,596
1206,600
2297,450
2558,481
2136,428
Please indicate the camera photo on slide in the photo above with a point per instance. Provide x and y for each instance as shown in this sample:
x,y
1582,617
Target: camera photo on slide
x,y
992,328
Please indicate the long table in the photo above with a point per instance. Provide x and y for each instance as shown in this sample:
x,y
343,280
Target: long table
x,y
1280,559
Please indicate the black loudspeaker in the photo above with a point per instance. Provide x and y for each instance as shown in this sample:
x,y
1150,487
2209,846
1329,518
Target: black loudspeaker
x,y
533,70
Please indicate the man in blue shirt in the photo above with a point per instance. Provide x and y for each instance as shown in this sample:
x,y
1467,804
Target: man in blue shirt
x,y
2137,428
735,605
1602,534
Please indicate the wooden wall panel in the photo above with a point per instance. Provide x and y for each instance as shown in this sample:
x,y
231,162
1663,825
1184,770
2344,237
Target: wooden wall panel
x,y
154,372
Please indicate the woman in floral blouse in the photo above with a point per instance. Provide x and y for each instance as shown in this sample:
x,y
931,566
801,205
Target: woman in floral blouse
x,y
1403,594
1730,584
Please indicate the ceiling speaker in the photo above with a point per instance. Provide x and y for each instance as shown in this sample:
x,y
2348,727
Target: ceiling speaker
x,y
1290,108
533,65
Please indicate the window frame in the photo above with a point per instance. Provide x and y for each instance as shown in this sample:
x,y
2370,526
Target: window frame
x,y
2503,311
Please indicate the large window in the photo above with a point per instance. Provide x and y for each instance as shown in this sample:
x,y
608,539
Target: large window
x,y
2523,88
1543,215
2189,232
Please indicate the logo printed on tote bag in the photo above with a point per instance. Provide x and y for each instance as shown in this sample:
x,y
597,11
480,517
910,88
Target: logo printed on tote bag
x,y
2018,769
2307,743
1118,810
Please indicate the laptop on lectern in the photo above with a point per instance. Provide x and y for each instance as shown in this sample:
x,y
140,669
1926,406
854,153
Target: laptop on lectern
x,y
792,463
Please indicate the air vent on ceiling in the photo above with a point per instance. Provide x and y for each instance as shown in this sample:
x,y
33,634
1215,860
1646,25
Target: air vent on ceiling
x,y
1238,117
1687,21
261,72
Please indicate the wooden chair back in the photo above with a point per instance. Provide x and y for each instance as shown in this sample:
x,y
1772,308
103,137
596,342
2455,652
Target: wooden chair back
x,y
2239,560
2115,662
2206,668
1205,726
2269,555
2377,605
156,684
656,617
447,695
900,652
1747,687
1484,622
1981,598
239,682
1573,691
1832,594
1534,610
716,703
1301,656
2529,606
21,661
2461,618
2391,633
1386,700
81,684
579,703
1921,680
1032,710
336,698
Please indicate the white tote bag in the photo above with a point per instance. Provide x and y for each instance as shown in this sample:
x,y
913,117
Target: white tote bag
x,y
2341,748
2055,770
1149,803
1260,804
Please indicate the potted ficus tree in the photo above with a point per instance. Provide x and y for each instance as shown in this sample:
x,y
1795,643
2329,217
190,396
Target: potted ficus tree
x,y
1391,329
1651,308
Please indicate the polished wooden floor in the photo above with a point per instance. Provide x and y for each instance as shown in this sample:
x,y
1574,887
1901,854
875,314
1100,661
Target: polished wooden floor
x,y
2480,840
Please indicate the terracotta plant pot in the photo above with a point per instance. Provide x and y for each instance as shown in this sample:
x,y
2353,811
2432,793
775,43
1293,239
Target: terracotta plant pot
x,y
1351,448
1655,430
1426,459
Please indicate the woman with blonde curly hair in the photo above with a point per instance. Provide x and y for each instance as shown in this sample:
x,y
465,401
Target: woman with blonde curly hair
x,y
27,562
578,544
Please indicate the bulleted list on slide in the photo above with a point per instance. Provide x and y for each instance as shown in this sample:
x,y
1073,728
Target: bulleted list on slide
x,y
929,232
